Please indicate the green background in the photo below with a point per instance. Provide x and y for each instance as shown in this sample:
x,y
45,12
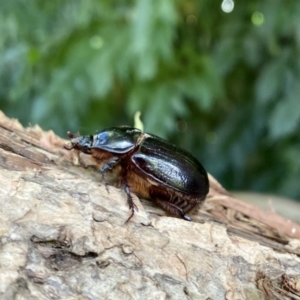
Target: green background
x,y
224,86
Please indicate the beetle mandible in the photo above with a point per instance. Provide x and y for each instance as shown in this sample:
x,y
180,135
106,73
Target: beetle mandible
x,y
151,168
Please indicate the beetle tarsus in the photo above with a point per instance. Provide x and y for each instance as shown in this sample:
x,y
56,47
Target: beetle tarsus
x,y
187,218
106,187
131,204
131,215
102,172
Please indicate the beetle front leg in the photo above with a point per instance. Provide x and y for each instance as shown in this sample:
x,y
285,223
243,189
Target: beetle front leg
x,y
108,166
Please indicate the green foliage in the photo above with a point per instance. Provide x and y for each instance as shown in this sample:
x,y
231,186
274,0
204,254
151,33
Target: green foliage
x,y
224,86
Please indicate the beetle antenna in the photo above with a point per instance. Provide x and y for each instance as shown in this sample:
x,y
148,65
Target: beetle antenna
x,y
70,134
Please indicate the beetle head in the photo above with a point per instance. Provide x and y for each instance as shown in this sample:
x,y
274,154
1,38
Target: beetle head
x,y
81,143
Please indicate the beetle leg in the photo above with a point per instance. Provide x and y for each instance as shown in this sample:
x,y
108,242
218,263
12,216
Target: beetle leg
x,y
131,204
180,211
108,166
170,207
102,171
163,199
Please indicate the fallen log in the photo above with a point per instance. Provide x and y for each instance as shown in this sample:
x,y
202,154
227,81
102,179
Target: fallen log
x,y
63,235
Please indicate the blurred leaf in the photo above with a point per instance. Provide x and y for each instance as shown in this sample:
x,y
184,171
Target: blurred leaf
x,y
269,82
285,118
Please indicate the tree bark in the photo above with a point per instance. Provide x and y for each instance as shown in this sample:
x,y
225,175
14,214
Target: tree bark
x,y
63,235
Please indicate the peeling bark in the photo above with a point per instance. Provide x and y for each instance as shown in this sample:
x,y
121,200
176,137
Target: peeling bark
x,y
63,236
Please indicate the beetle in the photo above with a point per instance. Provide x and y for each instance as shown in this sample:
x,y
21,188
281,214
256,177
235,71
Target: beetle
x,y
149,166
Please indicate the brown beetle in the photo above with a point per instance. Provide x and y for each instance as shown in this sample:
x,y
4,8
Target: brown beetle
x,y
150,167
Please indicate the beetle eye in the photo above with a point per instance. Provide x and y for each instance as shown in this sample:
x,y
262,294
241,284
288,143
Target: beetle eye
x,y
85,148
